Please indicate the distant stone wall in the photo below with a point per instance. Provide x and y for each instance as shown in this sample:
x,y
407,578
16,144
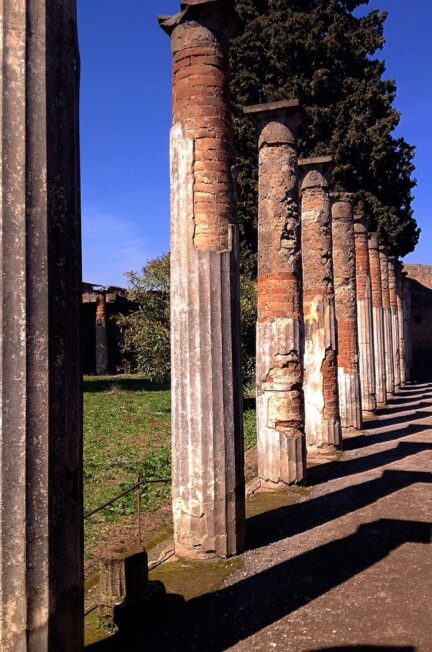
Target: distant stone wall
x,y
420,277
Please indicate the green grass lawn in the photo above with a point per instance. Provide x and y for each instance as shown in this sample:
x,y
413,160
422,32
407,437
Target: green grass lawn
x,y
127,431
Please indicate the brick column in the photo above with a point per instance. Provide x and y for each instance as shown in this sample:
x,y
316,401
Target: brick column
x,y
280,402
406,288
41,543
377,319
364,315
207,423
322,420
399,299
388,339
346,310
394,321
101,334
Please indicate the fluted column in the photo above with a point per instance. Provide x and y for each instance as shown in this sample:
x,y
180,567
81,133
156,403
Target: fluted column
x,y
280,401
346,310
377,319
364,315
322,420
394,321
41,543
207,427
399,299
388,338
101,334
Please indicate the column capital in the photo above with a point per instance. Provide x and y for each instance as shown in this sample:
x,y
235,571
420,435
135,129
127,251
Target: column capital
x,y
374,242
195,10
277,122
315,172
361,220
342,196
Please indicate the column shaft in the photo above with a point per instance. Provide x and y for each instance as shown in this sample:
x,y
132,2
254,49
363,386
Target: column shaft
x,y
207,425
280,402
322,420
377,320
41,544
364,317
394,321
399,299
388,338
346,310
407,328
101,334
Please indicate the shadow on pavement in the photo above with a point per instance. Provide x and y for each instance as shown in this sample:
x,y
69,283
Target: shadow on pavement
x,y
217,621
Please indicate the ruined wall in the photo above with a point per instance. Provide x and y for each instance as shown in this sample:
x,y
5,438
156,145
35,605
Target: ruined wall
x,y
420,281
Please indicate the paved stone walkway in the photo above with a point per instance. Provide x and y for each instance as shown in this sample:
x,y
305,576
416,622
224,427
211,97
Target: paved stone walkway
x,y
349,567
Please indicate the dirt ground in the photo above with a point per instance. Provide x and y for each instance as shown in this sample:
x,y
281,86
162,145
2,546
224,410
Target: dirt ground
x,y
346,565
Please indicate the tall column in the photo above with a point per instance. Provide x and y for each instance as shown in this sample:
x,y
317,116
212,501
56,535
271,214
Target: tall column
x,y
101,334
394,321
207,423
280,402
322,420
399,299
406,287
364,314
346,310
41,543
388,339
377,319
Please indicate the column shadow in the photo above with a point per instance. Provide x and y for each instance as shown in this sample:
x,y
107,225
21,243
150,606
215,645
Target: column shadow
x,y
397,420
216,621
366,439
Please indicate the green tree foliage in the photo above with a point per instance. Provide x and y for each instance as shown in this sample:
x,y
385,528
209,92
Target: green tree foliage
x,y
146,332
320,52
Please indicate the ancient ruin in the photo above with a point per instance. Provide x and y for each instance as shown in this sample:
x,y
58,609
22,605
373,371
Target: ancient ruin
x,y
101,335
388,337
364,314
346,310
280,403
208,479
322,421
41,540
377,320
394,321
401,325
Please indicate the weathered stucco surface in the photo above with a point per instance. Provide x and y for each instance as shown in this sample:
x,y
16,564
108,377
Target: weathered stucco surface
x,y
364,315
377,320
394,321
322,421
101,335
388,337
280,402
207,427
346,310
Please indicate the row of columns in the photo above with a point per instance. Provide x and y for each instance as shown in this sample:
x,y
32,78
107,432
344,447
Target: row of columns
x,y
330,325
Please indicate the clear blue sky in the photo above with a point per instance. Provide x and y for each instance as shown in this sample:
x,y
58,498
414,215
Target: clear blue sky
x,y
125,121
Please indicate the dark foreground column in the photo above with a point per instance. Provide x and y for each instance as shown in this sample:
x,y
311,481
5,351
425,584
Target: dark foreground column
x,y
41,546
101,334
346,310
364,315
323,429
388,339
207,425
280,403
377,319
394,321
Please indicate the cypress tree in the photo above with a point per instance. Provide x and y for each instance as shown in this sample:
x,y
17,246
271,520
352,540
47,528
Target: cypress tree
x,y
322,53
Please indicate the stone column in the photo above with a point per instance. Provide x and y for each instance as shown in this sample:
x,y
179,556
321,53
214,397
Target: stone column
x,y
41,542
364,315
280,402
322,420
394,321
388,339
399,299
406,285
101,334
207,423
377,320
346,310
